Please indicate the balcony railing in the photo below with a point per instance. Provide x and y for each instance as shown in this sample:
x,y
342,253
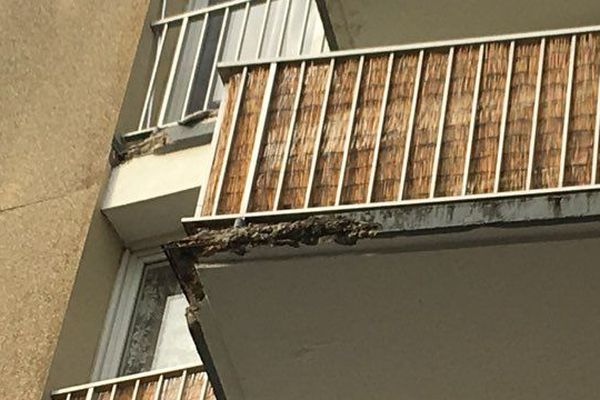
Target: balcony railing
x,y
184,80
502,116
173,384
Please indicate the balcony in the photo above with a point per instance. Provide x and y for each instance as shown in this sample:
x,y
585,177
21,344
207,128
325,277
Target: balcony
x,y
172,384
513,115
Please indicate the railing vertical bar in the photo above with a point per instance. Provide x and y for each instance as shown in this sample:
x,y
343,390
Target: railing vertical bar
x,y
258,138
182,386
503,123
238,52
441,123
136,390
113,392
349,130
68,396
263,27
213,151
213,71
204,388
188,91
536,109
174,65
473,121
411,124
163,9
304,26
89,394
319,134
290,134
145,110
158,387
380,125
596,136
284,26
234,119
567,116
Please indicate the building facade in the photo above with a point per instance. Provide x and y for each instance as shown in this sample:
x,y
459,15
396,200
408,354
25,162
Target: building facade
x,y
355,199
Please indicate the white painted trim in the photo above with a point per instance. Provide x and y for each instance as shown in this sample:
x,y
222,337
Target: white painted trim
x,y
473,122
319,133
411,125
290,135
349,130
441,123
200,11
380,126
536,110
505,105
567,116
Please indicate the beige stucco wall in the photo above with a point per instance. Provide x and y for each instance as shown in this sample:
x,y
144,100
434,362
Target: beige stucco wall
x,y
63,72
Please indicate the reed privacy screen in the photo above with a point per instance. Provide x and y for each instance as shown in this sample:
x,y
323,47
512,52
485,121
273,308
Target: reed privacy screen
x,y
433,122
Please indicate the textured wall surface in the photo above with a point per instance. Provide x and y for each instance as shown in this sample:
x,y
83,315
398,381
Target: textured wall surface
x,y
63,72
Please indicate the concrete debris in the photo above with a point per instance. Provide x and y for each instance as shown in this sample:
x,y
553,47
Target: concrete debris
x,y
310,231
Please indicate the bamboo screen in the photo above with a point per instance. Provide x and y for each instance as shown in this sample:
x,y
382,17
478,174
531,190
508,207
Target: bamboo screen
x,y
438,123
191,384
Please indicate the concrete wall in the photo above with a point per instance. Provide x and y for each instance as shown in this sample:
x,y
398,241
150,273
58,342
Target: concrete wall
x,y
367,23
63,75
504,321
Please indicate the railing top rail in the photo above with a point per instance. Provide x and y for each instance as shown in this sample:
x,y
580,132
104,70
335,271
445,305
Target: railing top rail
x,y
227,68
197,12
128,378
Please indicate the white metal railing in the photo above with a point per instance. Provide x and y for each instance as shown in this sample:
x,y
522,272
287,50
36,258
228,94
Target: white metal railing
x,y
538,39
184,78
187,382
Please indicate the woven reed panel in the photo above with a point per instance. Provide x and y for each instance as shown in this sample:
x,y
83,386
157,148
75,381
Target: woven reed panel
x,y
513,175
458,118
489,115
395,127
362,145
582,121
223,135
272,147
193,386
424,138
546,161
236,172
337,118
293,191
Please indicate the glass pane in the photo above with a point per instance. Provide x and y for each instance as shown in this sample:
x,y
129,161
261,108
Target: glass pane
x,y
174,7
293,32
252,33
174,340
273,28
162,73
158,284
205,62
314,32
184,70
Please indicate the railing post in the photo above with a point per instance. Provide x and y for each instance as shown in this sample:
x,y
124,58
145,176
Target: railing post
x,y
349,130
380,126
319,133
145,108
182,385
473,122
411,124
258,136
290,135
536,110
505,104
234,118
441,124
188,91
567,116
174,65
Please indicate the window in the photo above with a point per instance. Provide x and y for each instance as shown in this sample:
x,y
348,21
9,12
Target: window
x,y
194,35
146,328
